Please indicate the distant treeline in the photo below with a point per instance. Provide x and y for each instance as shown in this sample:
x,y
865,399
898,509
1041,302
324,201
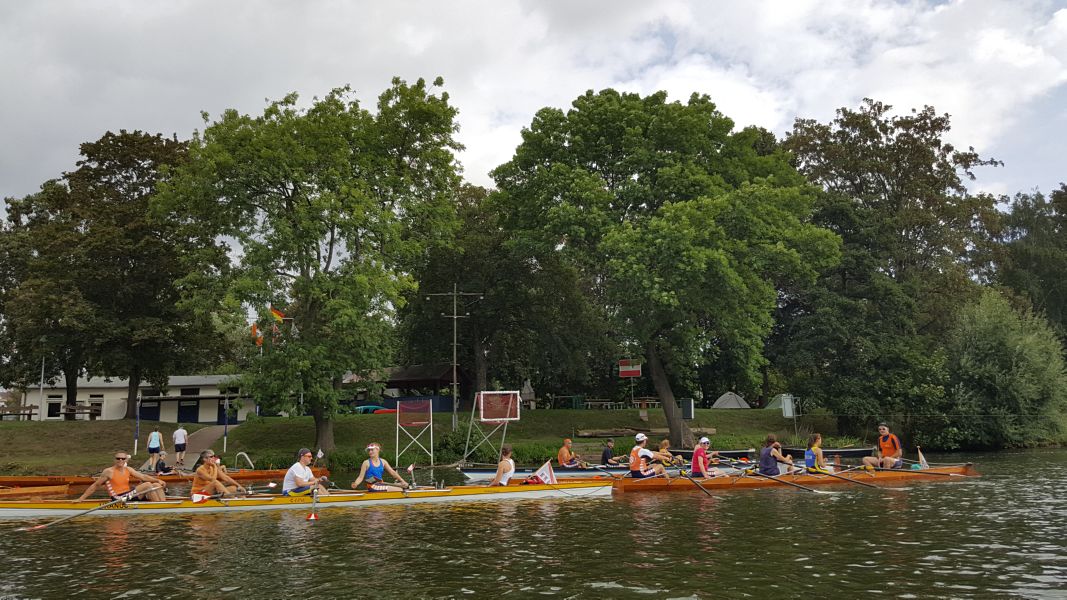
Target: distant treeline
x,y
847,263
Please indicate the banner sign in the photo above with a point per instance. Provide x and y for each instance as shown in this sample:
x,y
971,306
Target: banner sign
x,y
629,367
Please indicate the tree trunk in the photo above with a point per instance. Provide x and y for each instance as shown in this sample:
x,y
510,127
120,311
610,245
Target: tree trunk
x,y
131,392
70,376
481,365
680,435
323,429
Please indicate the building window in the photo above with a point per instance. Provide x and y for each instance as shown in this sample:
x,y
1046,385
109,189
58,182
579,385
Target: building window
x,y
53,409
190,391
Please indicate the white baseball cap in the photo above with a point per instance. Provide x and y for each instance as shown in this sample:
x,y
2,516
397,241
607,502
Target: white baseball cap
x,y
704,440
640,437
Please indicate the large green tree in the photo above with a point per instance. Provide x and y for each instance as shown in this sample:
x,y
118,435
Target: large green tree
x,y
330,208
679,227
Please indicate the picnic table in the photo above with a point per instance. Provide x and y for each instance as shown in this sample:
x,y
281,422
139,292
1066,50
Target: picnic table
x,y
645,403
18,412
599,404
92,411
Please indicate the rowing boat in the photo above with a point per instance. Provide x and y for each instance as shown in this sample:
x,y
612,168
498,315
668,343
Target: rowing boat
x,y
35,490
487,474
591,488
238,474
743,481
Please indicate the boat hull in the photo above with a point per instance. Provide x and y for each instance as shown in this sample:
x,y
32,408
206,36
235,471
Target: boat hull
x,y
60,508
35,490
895,476
570,473
238,474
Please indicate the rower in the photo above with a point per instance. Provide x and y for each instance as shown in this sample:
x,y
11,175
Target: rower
x,y
607,457
814,461
566,458
671,460
374,469
770,456
701,464
891,453
210,480
300,480
117,480
505,469
640,457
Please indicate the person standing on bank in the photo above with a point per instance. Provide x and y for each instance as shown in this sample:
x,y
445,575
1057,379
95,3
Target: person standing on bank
x,y
181,438
155,446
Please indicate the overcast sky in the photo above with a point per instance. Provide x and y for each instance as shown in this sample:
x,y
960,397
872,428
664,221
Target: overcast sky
x,y
72,70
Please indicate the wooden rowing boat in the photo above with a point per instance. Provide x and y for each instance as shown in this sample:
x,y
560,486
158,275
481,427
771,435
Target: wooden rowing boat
x,y
60,508
238,474
891,476
35,490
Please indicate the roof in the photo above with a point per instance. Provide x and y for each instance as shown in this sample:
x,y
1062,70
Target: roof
x,y
433,374
175,381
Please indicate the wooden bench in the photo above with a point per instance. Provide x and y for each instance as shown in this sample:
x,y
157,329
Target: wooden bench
x,y
18,412
92,411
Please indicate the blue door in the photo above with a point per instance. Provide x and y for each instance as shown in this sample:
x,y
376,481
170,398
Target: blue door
x,y
222,413
150,410
188,411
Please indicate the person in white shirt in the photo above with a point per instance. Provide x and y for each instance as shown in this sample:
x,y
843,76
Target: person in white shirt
x,y
181,438
505,469
299,480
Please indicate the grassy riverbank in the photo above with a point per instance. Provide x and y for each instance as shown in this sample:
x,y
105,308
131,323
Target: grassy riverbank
x,y
83,446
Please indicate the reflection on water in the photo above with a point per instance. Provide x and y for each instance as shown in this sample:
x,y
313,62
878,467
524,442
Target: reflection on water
x,y
1002,535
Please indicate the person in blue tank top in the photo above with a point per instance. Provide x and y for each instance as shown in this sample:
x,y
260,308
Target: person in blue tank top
x,y
770,456
373,471
813,458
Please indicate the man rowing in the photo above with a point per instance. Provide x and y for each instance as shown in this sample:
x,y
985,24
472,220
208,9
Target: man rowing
x,y
814,461
210,480
890,452
607,457
770,456
566,458
299,480
701,460
641,460
373,471
117,480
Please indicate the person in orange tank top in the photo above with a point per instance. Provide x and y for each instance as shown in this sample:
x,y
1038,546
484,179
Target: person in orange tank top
x,y
641,460
890,451
209,479
117,481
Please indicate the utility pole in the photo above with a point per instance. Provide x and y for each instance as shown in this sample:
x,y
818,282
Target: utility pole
x,y
455,316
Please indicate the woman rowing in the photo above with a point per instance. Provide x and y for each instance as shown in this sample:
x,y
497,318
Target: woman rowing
x,y
641,460
373,471
210,480
814,461
669,459
770,456
701,460
505,469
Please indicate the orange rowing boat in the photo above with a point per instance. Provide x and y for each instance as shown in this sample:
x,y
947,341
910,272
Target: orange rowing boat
x,y
238,474
35,490
748,481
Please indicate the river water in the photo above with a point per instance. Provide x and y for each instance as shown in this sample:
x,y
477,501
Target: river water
x,y
1003,535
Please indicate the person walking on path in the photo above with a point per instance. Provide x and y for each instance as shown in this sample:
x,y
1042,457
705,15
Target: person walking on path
x,y
181,438
155,446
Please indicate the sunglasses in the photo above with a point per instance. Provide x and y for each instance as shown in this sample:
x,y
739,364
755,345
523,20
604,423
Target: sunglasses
x,y
122,458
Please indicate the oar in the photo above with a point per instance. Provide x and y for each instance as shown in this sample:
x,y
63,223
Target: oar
x,y
314,502
696,483
81,514
603,469
836,476
796,485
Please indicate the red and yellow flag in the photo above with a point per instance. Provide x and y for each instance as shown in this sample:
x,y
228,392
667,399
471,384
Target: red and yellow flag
x,y
278,315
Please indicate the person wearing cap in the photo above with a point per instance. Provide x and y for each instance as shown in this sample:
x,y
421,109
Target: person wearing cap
x,y
373,471
210,480
701,465
161,465
299,480
566,458
116,479
641,458
890,452
607,457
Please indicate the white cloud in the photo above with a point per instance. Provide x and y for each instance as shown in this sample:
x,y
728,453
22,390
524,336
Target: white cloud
x,y
73,70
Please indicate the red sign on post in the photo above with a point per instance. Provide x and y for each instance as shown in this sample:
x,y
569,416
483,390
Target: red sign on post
x,y
629,367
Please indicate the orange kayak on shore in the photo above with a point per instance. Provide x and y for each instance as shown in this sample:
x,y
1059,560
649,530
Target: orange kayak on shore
x,y
35,490
748,481
238,474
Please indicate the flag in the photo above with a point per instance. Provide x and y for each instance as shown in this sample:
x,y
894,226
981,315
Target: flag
x,y
200,498
922,459
545,474
319,454
256,335
278,315
411,468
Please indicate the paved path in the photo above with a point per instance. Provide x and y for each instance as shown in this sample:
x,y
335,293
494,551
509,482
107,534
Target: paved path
x,y
199,440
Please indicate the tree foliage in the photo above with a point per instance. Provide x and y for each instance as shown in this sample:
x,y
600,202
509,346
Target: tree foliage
x,y
331,208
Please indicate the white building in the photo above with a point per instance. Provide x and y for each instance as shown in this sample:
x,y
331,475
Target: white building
x,y
187,399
